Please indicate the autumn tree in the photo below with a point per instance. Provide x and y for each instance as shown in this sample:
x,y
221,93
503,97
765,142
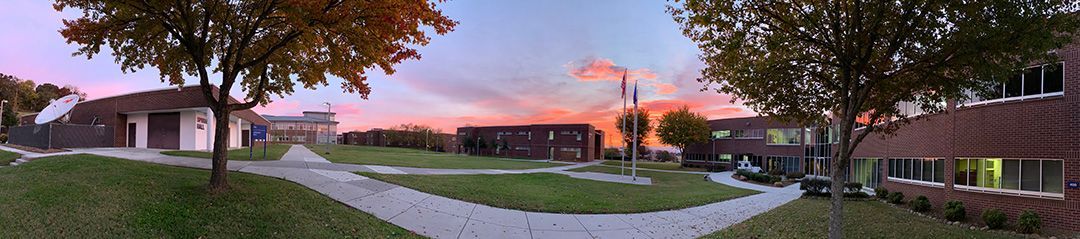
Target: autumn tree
x,y
645,127
681,128
833,62
258,46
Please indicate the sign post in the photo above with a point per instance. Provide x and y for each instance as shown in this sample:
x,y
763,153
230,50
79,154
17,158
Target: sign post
x,y
258,133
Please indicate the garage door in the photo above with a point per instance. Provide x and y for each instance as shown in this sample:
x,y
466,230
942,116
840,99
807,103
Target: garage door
x,y
163,131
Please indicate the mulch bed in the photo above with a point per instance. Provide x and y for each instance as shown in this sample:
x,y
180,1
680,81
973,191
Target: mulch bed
x,y
784,182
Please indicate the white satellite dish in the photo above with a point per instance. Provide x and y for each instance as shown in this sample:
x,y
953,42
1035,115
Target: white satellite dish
x,y
57,109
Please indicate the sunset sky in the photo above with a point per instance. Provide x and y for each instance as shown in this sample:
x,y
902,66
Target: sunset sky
x,y
507,62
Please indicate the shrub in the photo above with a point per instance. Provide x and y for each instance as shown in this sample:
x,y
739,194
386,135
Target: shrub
x,y
795,175
852,187
881,192
1028,222
757,177
920,204
815,186
994,219
954,211
896,197
776,172
3,138
859,194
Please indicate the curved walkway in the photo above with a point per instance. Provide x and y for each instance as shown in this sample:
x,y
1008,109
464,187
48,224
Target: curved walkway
x,y
440,217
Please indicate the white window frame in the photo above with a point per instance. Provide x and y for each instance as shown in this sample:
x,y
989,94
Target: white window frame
x,y
1016,192
928,183
1023,97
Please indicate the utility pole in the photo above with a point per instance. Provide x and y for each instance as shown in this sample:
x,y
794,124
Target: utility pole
x,y
2,116
329,124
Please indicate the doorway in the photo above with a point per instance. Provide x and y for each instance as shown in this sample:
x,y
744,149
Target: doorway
x,y
131,129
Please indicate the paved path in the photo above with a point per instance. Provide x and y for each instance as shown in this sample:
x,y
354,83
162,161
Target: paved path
x,y
440,217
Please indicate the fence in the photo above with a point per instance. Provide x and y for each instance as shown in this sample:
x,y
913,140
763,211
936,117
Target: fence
x,y
61,136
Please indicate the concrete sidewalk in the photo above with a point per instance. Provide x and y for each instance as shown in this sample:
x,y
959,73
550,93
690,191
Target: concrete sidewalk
x,y
440,217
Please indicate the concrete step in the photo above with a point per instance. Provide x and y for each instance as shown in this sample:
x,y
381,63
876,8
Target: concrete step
x,y
22,160
14,164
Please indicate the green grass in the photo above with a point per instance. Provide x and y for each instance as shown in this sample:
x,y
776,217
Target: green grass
x,y
808,218
548,192
85,196
273,152
391,156
8,157
655,165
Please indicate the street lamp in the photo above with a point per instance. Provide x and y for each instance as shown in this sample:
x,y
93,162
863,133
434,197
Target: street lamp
x,y
2,115
328,126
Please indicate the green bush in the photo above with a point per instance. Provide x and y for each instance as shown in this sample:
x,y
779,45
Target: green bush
x,y
954,211
994,219
1028,222
815,186
776,172
920,204
881,192
896,198
795,175
757,177
3,138
856,195
851,187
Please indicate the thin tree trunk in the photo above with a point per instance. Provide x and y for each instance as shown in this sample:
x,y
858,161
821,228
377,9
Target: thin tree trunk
x,y
219,170
836,189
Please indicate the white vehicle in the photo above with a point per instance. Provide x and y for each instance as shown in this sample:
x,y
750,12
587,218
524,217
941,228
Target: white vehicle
x,y
745,165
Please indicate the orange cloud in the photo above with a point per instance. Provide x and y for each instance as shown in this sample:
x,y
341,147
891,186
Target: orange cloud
x,y
665,88
602,69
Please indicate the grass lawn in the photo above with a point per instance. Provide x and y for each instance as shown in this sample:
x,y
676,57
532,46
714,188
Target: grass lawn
x,y
404,157
808,218
85,196
548,192
8,157
273,152
655,165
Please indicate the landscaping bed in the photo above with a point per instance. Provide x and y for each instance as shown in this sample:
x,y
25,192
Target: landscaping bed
x,y
273,152
549,192
87,196
655,165
35,150
390,156
808,218
767,179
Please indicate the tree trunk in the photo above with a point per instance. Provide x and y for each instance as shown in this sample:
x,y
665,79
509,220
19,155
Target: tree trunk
x,y
219,170
836,189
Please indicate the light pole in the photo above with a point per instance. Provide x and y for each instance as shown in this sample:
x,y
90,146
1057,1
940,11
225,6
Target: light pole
x,y
2,115
329,124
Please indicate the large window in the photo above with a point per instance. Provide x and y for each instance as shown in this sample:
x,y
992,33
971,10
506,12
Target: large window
x,y
748,133
1029,177
929,171
721,134
866,171
786,163
786,136
1033,82
817,166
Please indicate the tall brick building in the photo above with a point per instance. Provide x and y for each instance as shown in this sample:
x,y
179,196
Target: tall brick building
x,y
564,142
1013,147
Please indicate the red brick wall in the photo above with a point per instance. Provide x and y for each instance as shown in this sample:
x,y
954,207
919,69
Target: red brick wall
x,y
539,145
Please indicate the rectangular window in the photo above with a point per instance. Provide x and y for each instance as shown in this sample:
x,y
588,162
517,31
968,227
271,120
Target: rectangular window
x,y
929,171
551,135
748,133
1030,177
1033,81
721,134
865,171
786,136
1053,78
939,170
916,170
1014,87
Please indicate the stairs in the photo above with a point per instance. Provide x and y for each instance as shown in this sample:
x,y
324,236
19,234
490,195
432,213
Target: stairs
x,y
19,161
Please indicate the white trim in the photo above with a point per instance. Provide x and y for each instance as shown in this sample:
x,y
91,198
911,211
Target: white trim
x,y
1012,99
916,182
1010,192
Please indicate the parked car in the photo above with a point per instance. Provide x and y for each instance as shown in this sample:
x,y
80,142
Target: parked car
x,y
745,165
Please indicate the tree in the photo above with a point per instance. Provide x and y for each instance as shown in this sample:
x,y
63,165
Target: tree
x,y
681,128
796,60
19,93
644,127
262,45
664,156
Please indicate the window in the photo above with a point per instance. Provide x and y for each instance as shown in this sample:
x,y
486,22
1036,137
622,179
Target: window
x,y
1028,177
786,163
723,158
1032,82
748,133
721,134
551,135
866,171
577,151
786,136
926,171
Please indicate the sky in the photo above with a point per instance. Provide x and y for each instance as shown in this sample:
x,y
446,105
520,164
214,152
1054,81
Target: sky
x,y
506,63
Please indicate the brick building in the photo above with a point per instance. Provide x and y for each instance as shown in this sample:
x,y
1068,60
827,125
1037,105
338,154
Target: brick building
x,y
759,140
1012,147
440,142
313,127
173,118
565,142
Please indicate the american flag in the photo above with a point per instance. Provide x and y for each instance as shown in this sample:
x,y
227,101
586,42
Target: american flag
x,y
624,84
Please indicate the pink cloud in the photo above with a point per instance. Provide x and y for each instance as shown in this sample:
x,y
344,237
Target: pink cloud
x,y
602,69
665,88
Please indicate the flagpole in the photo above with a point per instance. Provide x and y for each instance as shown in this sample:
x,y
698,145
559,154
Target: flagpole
x,y
633,158
622,161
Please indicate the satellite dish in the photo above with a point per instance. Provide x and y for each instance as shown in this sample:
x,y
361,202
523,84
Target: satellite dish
x,y
57,109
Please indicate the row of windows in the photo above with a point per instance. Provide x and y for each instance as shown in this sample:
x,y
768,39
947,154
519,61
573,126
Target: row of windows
x,y
918,169
1044,79
784,136
577,151
1022,176
708,157
865,171
786,163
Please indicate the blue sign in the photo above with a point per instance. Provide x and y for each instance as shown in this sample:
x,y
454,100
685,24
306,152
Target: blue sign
x,y
258,132
1073,184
